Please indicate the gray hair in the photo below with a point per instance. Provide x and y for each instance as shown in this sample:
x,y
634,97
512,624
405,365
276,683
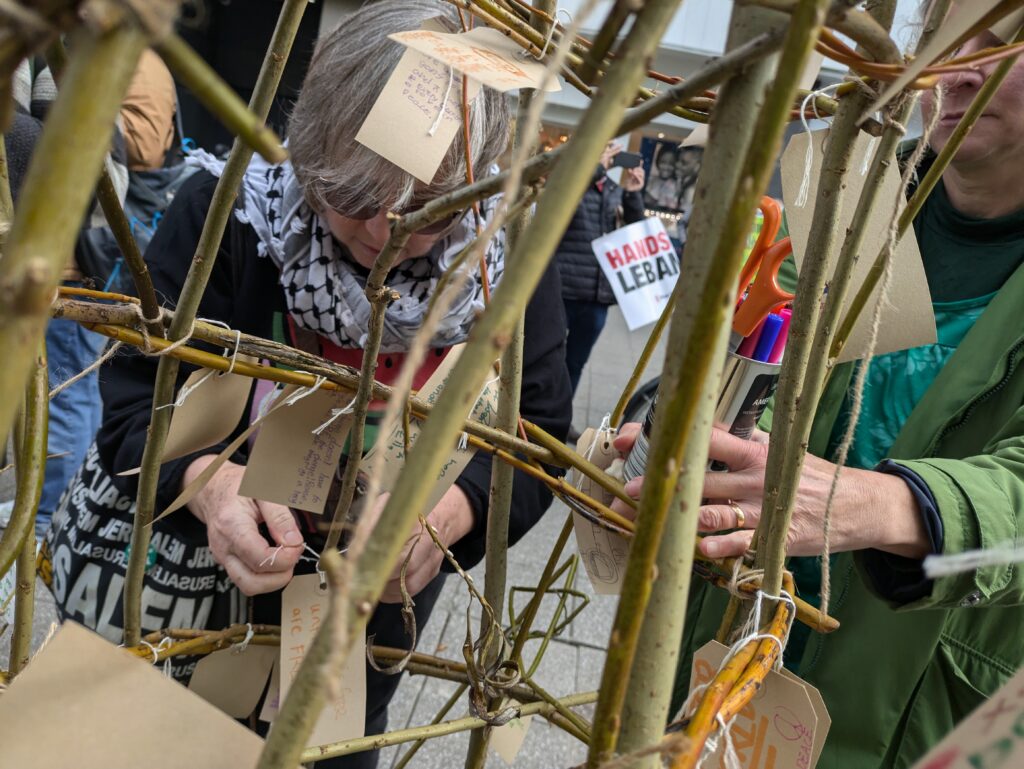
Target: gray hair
x,y
349,69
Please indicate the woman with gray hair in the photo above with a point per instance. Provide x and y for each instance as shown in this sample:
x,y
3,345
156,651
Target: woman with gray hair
x,y
292,267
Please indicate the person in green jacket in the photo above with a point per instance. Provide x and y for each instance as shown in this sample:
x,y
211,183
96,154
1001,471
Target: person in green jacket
x,y
937,466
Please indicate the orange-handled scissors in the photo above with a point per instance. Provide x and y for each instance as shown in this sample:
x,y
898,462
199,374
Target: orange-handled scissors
x,y
765,295
771,212
762,266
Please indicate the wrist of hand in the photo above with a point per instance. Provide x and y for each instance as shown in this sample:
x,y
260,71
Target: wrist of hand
x,y
901,529
199,505
453,516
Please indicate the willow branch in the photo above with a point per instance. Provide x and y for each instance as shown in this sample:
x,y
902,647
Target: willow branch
x,y
380,297
308,692
191,294
603,41
645,356
24,606
800,382
30,440
54,198
421,741
247,123
924,188
714,251
490,334
434,730
6,204
338,377
113,211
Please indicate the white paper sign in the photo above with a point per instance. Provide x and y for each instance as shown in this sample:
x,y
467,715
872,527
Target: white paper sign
x,y
642,267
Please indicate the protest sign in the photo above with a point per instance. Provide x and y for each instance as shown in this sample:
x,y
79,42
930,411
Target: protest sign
x,y
642,267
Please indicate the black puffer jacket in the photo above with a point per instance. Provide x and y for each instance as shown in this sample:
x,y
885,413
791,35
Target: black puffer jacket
x,y
582,279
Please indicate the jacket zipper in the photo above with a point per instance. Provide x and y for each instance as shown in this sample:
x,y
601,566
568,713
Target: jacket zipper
x,y
966,414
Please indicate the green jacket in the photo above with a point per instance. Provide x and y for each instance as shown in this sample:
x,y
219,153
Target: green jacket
x,y
897,678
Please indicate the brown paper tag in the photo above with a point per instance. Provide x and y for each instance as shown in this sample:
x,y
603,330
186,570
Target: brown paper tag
x,y
483,54
399,125
992,737
485,410
200,481
209,413
272,702
1007,28
303,608
289,463
106,709
824,719
604,553
776,729
961,18
907,318
507,739
233,681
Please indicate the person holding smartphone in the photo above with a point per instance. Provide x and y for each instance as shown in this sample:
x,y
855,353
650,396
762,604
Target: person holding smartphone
x,y
605,206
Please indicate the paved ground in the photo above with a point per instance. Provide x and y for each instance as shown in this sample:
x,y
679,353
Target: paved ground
x,y
571,664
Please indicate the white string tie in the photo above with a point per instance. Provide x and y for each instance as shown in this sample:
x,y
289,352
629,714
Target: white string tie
x,y
313,557
304,392
805,182
999,555
444,103
463,442
269,560
551,33
335,413
268,401
870,151
187,390
241,646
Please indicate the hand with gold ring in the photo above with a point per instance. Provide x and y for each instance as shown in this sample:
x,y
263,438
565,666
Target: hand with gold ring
x,y
870,510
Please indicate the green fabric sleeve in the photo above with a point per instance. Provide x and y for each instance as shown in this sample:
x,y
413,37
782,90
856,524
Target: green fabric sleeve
x,y
978,498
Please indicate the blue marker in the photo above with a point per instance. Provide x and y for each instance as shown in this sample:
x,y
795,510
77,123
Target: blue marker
x,y
769,333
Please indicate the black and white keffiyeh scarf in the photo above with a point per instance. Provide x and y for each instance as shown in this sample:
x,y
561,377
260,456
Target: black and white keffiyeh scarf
x,y
323,286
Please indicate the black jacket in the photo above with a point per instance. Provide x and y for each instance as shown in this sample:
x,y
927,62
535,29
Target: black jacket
x,y
582,279
244,292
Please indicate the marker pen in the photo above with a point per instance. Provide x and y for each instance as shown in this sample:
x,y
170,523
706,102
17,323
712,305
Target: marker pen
x,y
780,343
770,329
747,347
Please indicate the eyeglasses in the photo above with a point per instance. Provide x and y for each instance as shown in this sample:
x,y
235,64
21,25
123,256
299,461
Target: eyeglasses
x,y
370,210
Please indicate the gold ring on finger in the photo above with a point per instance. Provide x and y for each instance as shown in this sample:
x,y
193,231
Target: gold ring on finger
x,y
741,518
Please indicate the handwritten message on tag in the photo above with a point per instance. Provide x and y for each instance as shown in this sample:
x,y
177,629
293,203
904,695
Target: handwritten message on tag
x,y
604,553
303,608
485,410
507,740
642,267
992,737
233,680
292,465
907,317
114,711
778,728
417,114
483,54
